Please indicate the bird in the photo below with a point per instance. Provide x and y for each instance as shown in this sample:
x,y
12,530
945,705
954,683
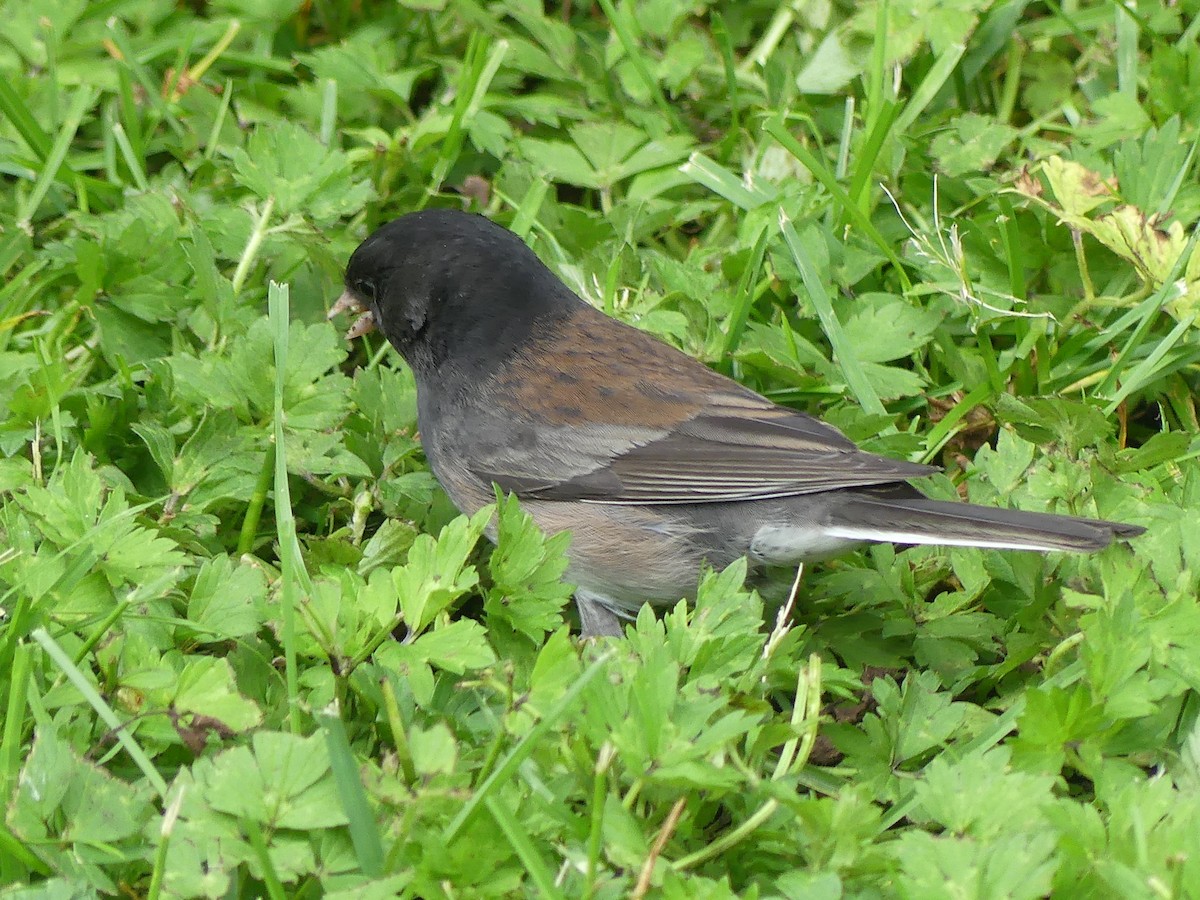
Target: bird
x,y
656,464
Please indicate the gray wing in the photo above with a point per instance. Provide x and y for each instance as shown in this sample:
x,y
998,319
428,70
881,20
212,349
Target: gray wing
x,y
739,451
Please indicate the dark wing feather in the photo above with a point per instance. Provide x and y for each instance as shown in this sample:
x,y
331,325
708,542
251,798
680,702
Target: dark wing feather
x,y
597,411
725,454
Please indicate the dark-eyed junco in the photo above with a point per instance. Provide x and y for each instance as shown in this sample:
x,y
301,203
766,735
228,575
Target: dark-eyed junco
x,y
654,462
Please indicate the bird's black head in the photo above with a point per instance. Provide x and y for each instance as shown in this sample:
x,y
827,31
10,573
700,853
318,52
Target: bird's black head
x,y
453,291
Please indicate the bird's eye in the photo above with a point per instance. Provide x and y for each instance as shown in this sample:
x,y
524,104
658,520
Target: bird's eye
x,y
365,289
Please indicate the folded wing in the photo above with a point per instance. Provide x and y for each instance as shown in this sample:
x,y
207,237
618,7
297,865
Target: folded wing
x,y
723,453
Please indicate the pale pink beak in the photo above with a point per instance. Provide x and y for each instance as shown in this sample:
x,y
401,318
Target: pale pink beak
x,y
348,303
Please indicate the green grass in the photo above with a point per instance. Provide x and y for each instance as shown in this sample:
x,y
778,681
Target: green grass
x,y
247,646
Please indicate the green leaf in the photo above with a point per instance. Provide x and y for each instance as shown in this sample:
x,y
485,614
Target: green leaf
x,y
1069,423
527,591
281,781
206,688
917,715
226,600
387,547
604,154
972,144
436,573
1019,866
980,794
1007,465
69,808
302,175
434,751
829,69
1165,446
560,161
79,514
456,647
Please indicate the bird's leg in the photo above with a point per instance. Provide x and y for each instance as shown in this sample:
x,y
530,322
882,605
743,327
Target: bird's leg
x,y
596,616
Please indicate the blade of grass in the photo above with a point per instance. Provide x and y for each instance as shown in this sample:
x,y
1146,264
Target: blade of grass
x,y
16,297
625,27
196,72
519,840
876,79
1127,26
1147,311
944,430
805,719
108,122
843,156
214,133
527,209
175,74
292,566
170,816
258,499
13,108
127,59
12,849
81,101
329,105
781,21
724,40
1014,249
14,718
12,248
745,296
479,67
994,33
722,182
1138,318
856,378
103,710
595,840
396,726
777,130
864,162
1188,36
108,622
1007,103
130,114
793,758
258,844
987,353
1148,370
1168,199
250,254
364,829
132,161
929,86
55,393
21,119
518,754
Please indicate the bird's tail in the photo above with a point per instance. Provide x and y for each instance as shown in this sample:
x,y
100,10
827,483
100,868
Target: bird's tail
x,y
919,520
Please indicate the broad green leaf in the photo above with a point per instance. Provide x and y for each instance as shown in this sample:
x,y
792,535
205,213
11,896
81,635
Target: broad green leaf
x,y
456,647
206,688
287,164
436,573
972,144
434,751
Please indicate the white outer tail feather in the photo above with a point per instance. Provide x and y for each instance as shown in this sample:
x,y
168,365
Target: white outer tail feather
x,y
908,537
